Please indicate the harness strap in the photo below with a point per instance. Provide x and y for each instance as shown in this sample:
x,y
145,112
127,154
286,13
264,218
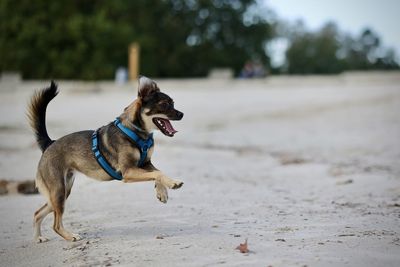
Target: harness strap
x,y
143,145
101,160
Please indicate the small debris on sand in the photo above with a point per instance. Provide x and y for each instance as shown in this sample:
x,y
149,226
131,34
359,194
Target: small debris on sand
x,y
161,236
243,247
348,181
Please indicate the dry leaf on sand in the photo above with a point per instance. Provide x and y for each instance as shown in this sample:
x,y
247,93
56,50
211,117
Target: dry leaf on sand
x,y
243,247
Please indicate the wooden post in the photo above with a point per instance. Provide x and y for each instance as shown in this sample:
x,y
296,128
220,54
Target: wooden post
x,y
133,61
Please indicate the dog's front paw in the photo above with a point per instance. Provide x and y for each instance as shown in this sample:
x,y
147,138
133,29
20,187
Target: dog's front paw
x,y
161,193
176,185
41,239
170,183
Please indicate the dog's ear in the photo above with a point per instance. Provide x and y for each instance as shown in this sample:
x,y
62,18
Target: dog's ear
x,y
147,88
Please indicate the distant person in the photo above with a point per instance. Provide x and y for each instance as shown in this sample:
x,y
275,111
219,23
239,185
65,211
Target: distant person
x,y
259,70
247,71
121,75
253,69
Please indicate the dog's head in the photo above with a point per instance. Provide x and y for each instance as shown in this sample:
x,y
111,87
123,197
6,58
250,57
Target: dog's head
x,y
156,108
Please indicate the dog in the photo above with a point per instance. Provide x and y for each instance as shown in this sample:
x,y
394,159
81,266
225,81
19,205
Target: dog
x,y
62,158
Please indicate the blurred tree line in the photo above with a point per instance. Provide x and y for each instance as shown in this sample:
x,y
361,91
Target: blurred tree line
x,y
330,51
88,39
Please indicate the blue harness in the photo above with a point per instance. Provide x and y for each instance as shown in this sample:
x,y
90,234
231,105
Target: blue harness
x,y
143,145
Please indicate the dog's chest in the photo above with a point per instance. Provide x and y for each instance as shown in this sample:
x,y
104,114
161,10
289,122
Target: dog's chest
x,y
150,153
136,155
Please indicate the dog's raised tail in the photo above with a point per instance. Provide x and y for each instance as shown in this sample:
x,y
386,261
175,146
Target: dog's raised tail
x,y
37,114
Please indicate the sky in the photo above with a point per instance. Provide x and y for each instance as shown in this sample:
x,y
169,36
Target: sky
x,y
383,16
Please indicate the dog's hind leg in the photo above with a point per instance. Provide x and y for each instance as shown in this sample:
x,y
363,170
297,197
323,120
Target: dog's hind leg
x,y
69,182
40,214
58,201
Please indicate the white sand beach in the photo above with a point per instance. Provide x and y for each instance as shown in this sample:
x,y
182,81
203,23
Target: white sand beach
x,y
306,168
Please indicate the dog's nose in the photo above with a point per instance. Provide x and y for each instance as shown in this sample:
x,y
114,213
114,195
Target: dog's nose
x,y
180,114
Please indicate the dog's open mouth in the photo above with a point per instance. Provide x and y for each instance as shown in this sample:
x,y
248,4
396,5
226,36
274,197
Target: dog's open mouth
x,y
165,126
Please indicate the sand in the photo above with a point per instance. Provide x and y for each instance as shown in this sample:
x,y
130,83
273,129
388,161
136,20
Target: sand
x,y
307,169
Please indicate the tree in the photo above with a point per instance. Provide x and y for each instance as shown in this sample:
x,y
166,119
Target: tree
x,y
75,39
314,52
367,53
330,51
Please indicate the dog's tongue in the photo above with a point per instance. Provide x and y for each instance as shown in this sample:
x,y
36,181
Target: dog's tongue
x,y
169,127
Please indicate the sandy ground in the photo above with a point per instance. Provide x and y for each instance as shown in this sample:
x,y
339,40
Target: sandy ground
x,y
307,169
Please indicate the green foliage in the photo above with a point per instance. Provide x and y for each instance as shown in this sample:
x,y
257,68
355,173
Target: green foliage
x,y
84,39
89,39
367,53
314,53
328,51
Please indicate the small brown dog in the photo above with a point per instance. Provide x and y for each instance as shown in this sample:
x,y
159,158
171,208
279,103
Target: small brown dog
x,y
106,154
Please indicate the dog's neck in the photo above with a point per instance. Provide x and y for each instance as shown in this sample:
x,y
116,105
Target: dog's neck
x,y
131,119
135,126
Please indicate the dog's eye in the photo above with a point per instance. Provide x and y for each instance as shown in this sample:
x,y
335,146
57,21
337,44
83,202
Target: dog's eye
x,y
164,106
